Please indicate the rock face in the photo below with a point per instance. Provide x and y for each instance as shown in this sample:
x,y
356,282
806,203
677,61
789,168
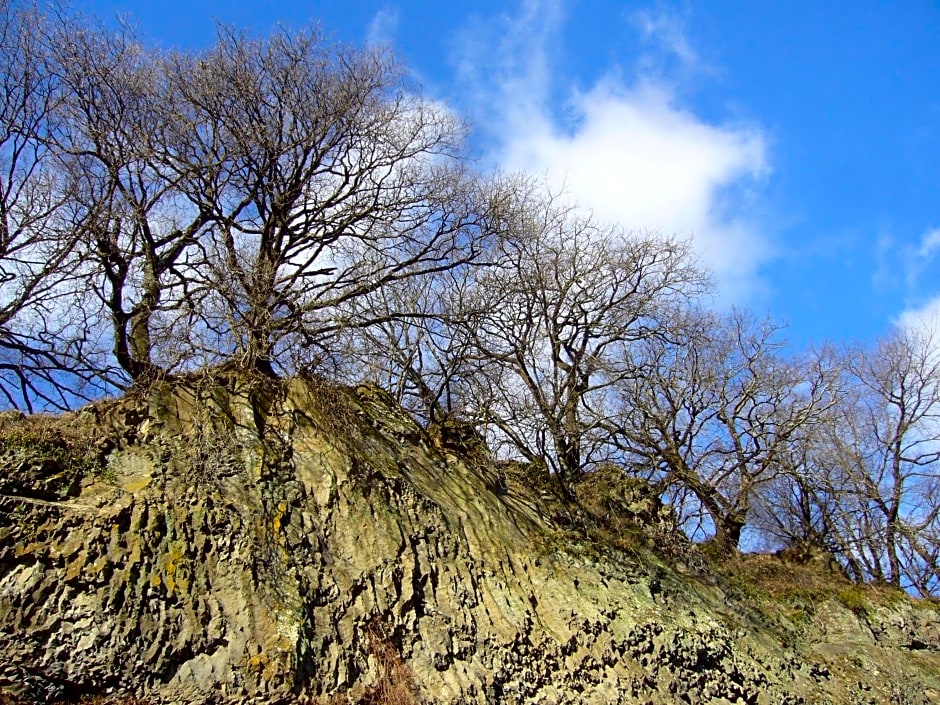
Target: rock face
x,y
238,540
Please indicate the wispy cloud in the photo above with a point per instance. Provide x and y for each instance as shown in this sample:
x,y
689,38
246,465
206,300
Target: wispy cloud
x,y
383,27
916,260
506,59
664,34
922,326
930,243
629,150
902,265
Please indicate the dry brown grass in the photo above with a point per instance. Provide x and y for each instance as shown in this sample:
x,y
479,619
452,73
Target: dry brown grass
x,y
396,685
48,455
782,579
334,406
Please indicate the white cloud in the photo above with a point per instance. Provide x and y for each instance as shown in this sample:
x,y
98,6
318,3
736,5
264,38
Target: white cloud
x,y
665,31
383,27
930,243
627,150
921,326
636,158
904,267
925,317
906,264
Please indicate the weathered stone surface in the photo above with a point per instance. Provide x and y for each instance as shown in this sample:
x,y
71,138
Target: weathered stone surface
x,y
252,542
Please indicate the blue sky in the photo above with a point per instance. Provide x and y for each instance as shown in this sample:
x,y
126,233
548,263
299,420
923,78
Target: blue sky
x,y
797,143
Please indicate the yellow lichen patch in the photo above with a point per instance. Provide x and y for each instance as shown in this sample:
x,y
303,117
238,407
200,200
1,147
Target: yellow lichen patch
x,y
71,546
277,522
173,566
263,665
135,484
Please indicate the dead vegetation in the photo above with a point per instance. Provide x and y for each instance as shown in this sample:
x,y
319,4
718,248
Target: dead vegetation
x,y
396,684
47,457
795,584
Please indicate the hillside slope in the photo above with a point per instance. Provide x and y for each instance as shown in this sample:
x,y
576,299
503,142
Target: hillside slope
x,y
233,540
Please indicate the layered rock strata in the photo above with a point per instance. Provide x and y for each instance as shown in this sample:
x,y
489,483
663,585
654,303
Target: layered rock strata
x,y
237,540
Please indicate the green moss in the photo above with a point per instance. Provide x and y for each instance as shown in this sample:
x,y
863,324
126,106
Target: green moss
x,y
743,587
854,597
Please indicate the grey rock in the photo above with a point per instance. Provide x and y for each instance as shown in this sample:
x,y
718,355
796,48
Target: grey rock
x,y
248,542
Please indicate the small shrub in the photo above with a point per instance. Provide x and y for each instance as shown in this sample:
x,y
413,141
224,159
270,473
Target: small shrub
x,y
47,457
531,478
931,603
335,410
794,589
211,451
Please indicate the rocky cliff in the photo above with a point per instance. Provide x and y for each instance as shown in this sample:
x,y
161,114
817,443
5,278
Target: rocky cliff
x,y
225,539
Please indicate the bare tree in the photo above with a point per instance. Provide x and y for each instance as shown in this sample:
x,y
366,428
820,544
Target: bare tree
x,y
884,462
419,333
337,181
35,242
416,347
123,147
799,504
232,204
552,325
714,417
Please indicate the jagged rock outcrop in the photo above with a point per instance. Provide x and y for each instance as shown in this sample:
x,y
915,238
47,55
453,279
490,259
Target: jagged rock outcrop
x,y
234,540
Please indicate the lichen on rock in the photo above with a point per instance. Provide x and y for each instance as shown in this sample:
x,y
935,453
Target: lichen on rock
x,y
242,540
